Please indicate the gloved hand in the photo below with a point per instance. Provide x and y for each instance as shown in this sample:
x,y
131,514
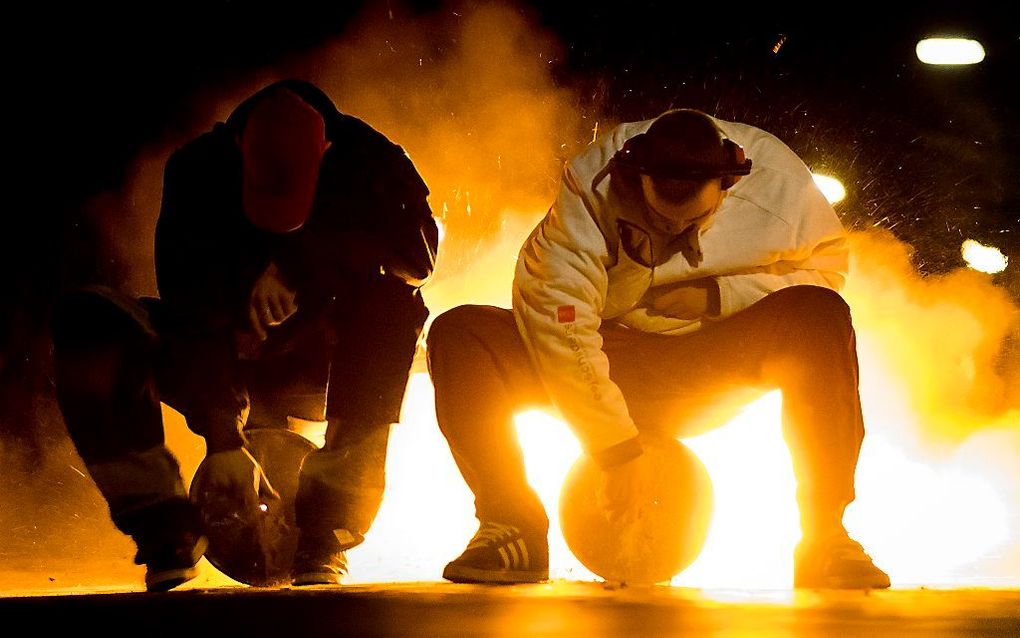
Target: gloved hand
x,y
237,474
272,302
623,489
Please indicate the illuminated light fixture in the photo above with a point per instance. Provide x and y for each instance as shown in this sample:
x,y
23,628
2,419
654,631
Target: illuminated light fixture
x,y
831,187
950,51
983,258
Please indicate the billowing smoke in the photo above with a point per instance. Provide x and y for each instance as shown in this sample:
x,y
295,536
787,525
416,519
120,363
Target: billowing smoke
x,y
469,95
939,477
939,341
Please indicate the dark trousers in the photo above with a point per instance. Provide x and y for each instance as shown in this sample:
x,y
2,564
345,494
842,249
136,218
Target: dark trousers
x,y
116,358
799,340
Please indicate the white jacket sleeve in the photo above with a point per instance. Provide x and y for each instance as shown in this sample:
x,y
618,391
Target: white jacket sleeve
x,y
559,291
826,267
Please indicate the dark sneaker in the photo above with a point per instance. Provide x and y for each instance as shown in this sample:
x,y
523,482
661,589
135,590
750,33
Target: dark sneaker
x,y
321,559
169,540
171,562
838,562
501,553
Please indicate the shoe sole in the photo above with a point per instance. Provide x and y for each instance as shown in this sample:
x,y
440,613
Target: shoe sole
x,y
167,579
840,583
315,578
464,574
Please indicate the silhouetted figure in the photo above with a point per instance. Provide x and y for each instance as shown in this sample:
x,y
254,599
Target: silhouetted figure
x,y
290,246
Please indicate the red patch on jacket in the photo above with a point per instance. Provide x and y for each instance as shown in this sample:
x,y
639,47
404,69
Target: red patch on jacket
x,y
565,314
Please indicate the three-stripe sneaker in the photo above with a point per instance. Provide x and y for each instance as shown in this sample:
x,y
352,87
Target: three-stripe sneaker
x,y
501,553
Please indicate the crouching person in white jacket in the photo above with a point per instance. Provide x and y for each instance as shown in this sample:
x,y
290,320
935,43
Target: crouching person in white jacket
x,y
656,285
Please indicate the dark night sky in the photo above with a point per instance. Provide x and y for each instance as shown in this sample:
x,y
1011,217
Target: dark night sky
x,y
103,81
97,83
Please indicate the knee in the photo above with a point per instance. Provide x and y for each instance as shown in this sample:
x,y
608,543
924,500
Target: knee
x,y
813,309
816,297
99,339
817,322
400,302
451,329
97,319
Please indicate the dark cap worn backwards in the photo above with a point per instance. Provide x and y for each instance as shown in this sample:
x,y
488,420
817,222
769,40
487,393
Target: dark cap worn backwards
x,y
683,144
282,144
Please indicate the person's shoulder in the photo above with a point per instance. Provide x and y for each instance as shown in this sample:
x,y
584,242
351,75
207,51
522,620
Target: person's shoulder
x,y
780,182
763,148
595,158
358,149
350,132
355,141
212,146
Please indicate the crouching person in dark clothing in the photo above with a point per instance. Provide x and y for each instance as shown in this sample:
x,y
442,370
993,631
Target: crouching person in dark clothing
x,y
290,247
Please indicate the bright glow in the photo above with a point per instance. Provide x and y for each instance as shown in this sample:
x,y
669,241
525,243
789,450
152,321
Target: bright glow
x,y
930,512
263,507
938,482
925,521
427,513
314,431
755,524
441,227
983,258
746,459
930,523
831,187
950,51
550,449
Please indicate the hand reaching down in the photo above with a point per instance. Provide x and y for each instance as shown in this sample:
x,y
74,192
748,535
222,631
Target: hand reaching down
x,y
237,475
623,488
272,302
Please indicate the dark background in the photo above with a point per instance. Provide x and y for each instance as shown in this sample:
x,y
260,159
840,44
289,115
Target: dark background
x,y
933,151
